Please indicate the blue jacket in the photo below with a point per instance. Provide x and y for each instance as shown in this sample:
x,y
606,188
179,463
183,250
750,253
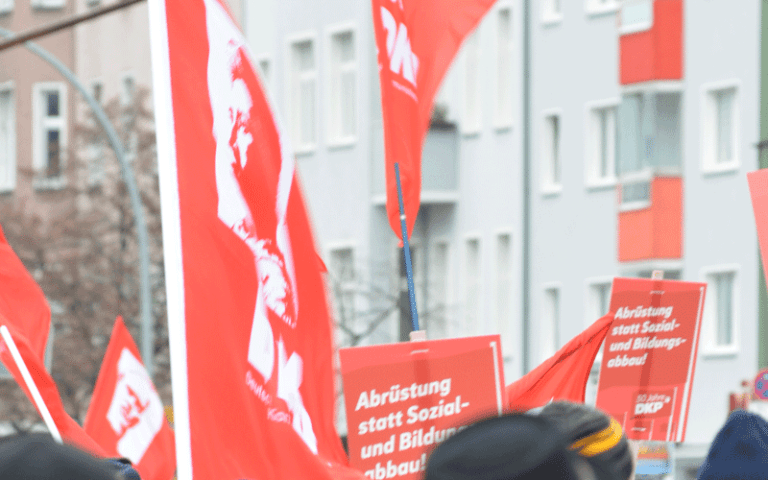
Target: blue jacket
x,y
739,451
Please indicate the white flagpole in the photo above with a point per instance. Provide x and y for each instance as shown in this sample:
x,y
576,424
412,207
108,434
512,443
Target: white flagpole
x,y
30,384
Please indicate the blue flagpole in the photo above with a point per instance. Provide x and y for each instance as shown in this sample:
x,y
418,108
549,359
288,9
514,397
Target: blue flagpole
x,y
407,250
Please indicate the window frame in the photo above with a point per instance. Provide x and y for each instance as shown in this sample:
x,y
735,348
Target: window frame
x,y
10,184
48,4
591,179
266,78
708,344
503,120
466,294
347,286
39,162
550,16
557,341
446,330
469,125
6,6
593,7
504,328
549,185
708,134
294,131
337,138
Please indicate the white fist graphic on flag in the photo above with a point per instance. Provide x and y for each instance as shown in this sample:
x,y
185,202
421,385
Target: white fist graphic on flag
x,y
136,412
237,134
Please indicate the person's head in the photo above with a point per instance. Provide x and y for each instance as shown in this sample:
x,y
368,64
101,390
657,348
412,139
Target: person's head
x,y
515,446
38,457
595,436
562,441
739,450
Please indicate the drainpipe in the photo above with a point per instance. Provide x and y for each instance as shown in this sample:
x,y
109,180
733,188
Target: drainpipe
x,y
526,311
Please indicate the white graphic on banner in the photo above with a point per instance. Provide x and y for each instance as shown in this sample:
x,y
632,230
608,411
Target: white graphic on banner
x,y
402,60
136,412
234,130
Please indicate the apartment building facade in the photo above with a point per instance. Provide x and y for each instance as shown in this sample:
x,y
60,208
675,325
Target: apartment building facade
x,y
641,120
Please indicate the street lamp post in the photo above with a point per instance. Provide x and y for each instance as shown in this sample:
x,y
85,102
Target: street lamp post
x,y
147,335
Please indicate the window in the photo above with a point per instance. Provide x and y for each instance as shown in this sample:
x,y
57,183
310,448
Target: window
x,y
6,6
549,334
551,154
635,16
7,139
720,129
504,52
472,112
265,71
503,283
302,95
49,132
720,310
472,290
437,319
342,273
95,150
343,88
551,11
598,299
601,6
45,4
601,146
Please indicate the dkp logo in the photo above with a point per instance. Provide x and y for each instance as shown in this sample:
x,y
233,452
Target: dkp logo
x,y
402,60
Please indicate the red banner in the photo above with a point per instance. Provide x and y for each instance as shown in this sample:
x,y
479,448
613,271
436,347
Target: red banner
x,y
649,357
404,399
22,302
564,375
416,43
126,415
758,190
70,431
250,330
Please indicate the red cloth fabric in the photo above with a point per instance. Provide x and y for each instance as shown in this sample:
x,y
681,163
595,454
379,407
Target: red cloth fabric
x,y
126,416
22,302
416,43
257,343
70,431
564,375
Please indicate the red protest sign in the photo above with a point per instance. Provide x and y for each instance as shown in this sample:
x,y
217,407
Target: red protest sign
x,y
649,356
403,399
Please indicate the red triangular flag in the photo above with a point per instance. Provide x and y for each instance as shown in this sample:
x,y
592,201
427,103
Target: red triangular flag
x,y
416,42
22,302
69,430
564,375
251,337
126,416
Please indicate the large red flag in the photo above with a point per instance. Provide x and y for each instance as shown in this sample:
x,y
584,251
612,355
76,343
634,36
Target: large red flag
x,y
416,42
126,416
249,324
22,302
564,375
69,430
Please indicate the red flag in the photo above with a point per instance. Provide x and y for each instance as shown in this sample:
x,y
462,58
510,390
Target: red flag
x,y
564,375
126,415
416,43
70,431
22,302
758,190
250,330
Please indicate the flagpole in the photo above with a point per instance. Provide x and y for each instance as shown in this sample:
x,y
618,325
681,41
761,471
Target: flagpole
x,y
30,384
407,250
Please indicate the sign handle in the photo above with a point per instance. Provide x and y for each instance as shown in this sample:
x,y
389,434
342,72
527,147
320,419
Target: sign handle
x,y
407,250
